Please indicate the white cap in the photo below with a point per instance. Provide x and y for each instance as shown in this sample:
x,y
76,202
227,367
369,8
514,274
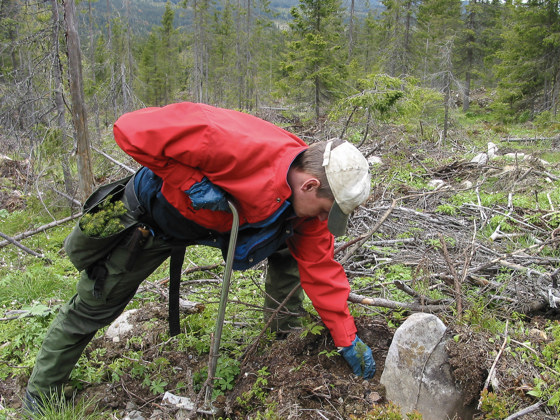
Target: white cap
x,y
350,181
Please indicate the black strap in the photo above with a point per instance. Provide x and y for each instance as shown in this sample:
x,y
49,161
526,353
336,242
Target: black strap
x,y
175,267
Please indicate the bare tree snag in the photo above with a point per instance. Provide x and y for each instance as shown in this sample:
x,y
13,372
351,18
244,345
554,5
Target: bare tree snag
x,y
79,115
59,99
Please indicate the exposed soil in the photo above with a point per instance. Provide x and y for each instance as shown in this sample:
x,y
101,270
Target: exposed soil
x,y
302,382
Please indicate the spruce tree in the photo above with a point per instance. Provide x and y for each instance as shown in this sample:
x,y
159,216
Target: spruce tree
x,y
159,62
314,68
529,67
398,44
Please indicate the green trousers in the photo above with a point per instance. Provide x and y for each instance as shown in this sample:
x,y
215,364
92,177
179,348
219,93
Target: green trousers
x,y
78,320
281,277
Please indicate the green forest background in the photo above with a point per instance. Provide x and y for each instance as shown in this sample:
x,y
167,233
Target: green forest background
x,y
314,58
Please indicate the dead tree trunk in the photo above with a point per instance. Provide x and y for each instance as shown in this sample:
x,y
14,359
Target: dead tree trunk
x,y
59,100
79,116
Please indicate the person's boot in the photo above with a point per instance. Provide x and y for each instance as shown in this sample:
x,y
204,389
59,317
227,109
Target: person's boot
x,y
33,405
285,324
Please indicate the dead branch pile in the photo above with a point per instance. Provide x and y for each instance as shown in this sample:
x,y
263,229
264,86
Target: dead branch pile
x,y
451,255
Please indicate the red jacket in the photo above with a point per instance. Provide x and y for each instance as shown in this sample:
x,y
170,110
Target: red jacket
x,y
248,158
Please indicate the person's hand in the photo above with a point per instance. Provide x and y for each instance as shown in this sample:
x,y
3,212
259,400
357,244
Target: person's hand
x,y
358,356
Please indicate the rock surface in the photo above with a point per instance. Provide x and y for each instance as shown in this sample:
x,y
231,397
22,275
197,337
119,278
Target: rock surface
x,y
417,374
121,325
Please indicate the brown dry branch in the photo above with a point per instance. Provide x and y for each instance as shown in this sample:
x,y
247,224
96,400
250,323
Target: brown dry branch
x,y
493,368
358,242
23,247
66,196
514,280
530,139
525,411
39,229
456,281
122,165
385,303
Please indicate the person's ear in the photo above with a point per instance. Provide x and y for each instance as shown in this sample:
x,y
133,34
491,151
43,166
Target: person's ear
x,y
311,184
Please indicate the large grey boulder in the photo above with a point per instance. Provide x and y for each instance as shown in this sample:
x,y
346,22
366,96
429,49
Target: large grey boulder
x,y
417,374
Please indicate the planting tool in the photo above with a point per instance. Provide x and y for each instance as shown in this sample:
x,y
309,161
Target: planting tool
x,y
184,402
215,348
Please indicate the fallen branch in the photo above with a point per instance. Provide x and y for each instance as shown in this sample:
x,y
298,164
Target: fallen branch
x,y
71,199
38,230
122,165
493,368
526,410
522,139
16,314
391,304
548,174
502,258
23,247
520,222
456,280
358,242
410,291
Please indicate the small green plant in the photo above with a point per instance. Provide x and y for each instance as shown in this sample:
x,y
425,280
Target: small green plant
x,y
257,392
448,209
398,272
494,406
20,340
481,319
436,243
57,407
313,329
329,354
90,369
157,386
389,411
503,222
105,221
226,372
298,367
547,384
554,220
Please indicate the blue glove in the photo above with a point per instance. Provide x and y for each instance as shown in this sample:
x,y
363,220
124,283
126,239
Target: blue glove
x,y
205,195
358,356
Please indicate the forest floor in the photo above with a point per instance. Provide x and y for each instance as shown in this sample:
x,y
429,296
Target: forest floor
x,y
301,382
299,377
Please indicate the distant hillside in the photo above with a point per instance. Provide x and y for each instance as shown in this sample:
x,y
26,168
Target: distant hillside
x,y
144,14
